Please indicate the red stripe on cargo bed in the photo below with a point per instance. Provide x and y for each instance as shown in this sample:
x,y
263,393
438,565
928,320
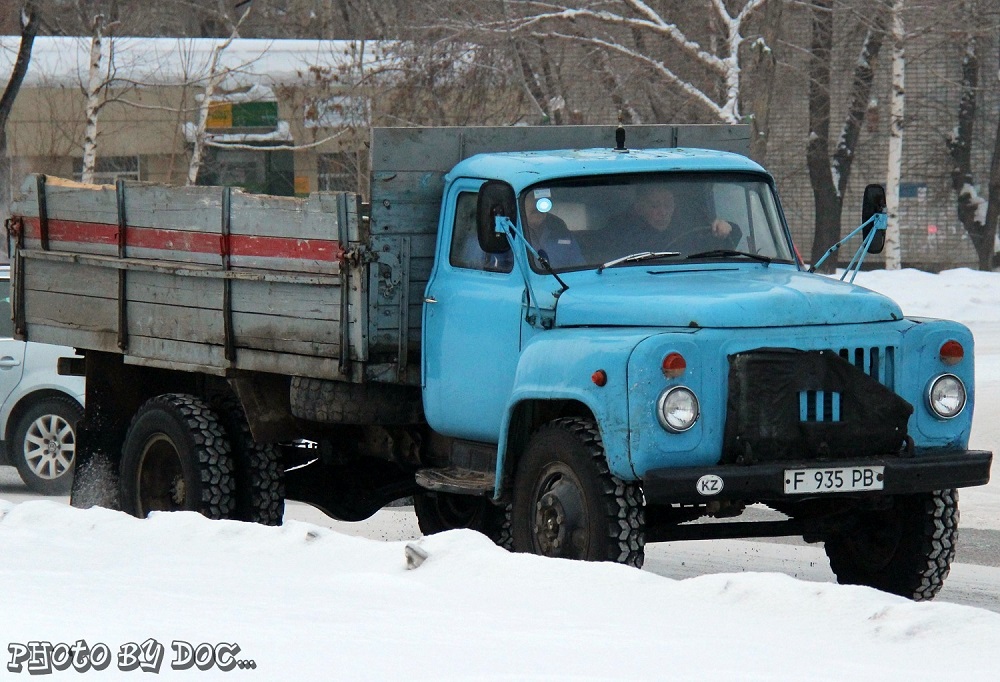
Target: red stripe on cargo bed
x,y
196,242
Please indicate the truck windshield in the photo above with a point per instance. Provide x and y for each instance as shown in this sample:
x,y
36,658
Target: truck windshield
x,y
585,223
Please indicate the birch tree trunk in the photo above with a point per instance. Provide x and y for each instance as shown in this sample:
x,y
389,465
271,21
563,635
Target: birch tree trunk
x,y
93,90
214,78
897,110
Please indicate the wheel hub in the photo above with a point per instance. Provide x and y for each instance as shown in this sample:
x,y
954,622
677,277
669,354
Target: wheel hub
x,y
560,521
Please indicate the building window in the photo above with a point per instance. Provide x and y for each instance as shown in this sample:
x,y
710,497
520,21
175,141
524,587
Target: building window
x,y
108,169
337,172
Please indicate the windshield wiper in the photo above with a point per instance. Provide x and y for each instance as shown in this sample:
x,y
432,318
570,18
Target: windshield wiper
x,y
637,257
730,253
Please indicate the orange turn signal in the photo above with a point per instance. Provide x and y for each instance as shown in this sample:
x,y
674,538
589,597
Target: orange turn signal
x,y
600,377
952,352
674,365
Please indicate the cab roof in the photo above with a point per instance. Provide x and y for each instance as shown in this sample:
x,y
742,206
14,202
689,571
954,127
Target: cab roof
x,y
522,169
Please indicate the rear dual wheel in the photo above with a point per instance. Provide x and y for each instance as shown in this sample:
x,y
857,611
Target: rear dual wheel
x,y
176,457
182,453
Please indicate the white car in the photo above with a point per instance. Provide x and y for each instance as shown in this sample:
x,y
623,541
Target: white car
x,y
39,408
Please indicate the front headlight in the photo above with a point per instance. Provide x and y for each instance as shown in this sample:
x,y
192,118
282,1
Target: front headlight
x,y
677,409
946,396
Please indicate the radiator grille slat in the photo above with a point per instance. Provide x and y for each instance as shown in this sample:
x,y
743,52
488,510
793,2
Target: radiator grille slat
x,y
878,362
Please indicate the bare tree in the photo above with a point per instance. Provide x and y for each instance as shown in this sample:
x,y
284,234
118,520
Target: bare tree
x,y
215,76
979,215
830,176
29,29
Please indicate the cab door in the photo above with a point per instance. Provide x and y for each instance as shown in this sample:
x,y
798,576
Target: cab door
x,y
471,326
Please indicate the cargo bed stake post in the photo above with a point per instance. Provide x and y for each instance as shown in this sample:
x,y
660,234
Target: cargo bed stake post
x,y
122,227
227,284
43,212
343,234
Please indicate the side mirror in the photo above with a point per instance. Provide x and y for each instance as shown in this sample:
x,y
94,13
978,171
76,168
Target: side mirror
x,y
496,198
872,203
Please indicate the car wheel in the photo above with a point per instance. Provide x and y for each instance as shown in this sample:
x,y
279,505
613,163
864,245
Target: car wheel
x,y
43,447
176,457
568,504
905,550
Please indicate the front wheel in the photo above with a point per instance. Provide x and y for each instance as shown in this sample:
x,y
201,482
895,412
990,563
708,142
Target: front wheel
x,y
43,446
567,503
176,458
906,549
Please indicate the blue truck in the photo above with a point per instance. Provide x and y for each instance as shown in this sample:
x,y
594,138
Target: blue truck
x,y
573,342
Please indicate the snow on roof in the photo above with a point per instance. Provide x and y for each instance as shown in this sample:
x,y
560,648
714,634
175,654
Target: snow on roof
x,y
63,61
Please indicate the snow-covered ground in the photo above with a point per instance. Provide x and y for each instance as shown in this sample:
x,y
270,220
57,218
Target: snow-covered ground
x,y
310,601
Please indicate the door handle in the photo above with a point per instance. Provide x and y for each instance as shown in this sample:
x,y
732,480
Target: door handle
x,y
7,362
430,299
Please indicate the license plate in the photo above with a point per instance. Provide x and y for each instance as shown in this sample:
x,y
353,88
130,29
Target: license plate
x,y
833,480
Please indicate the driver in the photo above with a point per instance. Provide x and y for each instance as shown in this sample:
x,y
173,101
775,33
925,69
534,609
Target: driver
x,y
650,226
548,233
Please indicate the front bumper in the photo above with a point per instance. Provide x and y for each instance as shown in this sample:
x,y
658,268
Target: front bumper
x,y
759,482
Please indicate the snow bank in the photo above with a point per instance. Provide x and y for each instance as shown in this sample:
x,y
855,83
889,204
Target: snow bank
x,y
305,602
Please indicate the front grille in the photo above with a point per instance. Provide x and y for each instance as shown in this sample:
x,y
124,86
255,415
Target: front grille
x,y
878,362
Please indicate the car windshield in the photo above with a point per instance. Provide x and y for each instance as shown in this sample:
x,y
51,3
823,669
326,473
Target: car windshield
x,y
585,223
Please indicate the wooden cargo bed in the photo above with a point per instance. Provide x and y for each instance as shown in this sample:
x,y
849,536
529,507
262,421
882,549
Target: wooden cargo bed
x,y
196,278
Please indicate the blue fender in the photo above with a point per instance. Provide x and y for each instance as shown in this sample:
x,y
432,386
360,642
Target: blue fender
x,y
559,365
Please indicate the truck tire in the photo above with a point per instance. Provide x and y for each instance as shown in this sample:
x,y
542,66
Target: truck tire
x,y
43,445
567,503
257,468
905,550
438,512
339,402
176,458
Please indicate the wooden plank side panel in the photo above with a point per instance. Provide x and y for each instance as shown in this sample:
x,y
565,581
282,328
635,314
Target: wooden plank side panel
x,y
286,335
319,367
71,312
174,322
78,338
70,278
286,233
69,200
185,209
167,352
313,217
312,301
168,289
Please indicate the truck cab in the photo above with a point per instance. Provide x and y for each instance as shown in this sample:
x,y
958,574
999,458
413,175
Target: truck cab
x,y
634,333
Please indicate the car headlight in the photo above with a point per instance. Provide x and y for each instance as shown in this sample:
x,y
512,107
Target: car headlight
x,y
677,409
946,396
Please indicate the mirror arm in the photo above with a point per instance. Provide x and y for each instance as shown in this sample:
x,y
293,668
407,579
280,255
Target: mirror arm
x,y
503,225
878,222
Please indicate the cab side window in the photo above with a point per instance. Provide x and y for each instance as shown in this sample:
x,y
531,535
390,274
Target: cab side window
x,y
465,251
